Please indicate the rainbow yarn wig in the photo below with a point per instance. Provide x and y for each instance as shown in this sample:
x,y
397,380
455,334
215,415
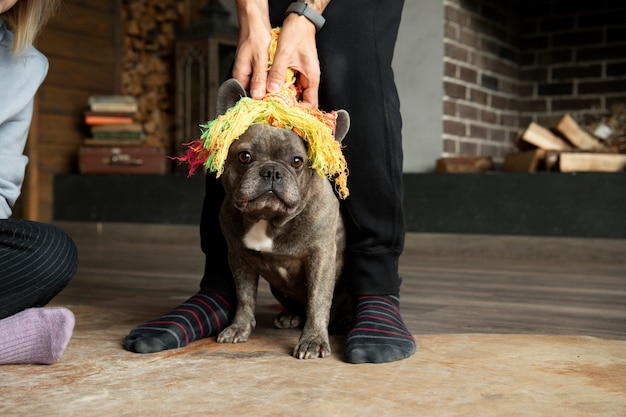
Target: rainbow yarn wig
x,y
281,109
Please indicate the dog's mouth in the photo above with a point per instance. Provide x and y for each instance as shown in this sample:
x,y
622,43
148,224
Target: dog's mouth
x,y
265,205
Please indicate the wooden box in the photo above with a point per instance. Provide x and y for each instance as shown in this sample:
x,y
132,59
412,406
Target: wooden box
x,y
123,160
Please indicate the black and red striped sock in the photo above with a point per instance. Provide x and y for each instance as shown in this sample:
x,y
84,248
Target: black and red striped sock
x,y
379,333
203,315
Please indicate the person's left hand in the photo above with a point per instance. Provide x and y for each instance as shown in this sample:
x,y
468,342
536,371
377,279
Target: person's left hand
x,y
297,49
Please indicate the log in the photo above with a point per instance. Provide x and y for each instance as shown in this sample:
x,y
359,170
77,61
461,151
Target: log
x,y
542,138
526,161
149,35
576,135
464,164
588,162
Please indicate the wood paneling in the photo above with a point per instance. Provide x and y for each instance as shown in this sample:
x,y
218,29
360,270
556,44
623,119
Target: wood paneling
x,y
82,44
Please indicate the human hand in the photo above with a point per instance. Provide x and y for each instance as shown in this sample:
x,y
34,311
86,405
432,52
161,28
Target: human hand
x,y
296,49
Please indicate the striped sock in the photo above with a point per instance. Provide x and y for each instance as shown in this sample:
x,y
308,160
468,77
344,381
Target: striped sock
x,y
203,315
379,334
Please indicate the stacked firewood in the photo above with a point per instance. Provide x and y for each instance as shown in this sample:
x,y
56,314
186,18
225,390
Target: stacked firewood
x,y
149,30
594,143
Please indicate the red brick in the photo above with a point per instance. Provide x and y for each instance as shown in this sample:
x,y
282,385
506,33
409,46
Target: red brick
x,y
468,148
511,120
556,23
578,38
469,37
555,57
500,102
569,104
578,71
449,69
456,52
555,89
451,31
526,90
536,106
478,96
454,90
598,53
450,146
478,132
534,74
468,74
489,116
449,108
453,127
453,14
602,87
467,112
498,135
509,87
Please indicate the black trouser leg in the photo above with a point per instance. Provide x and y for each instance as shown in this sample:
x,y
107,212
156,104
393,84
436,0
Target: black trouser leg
x,y
37,261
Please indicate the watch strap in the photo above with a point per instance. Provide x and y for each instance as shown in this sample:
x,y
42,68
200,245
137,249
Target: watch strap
x,y
302,9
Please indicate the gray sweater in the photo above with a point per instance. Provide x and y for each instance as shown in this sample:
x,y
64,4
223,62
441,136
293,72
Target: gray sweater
x,y
20,77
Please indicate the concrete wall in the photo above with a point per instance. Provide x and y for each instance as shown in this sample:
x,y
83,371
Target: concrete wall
x,y
418,66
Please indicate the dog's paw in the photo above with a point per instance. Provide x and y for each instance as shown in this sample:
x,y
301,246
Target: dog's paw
x,y
287,320
311,348
234,334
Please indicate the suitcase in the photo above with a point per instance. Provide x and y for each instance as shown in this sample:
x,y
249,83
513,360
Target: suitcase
x,y
122,160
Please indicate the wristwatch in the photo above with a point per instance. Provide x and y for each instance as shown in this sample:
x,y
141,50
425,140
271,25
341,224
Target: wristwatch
x,y
301,9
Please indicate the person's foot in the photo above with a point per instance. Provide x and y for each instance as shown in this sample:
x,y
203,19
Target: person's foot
x,y
35,335
203,315
378,335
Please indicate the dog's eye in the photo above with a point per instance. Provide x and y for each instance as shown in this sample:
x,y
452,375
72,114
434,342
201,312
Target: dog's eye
x,y
245,157
297,162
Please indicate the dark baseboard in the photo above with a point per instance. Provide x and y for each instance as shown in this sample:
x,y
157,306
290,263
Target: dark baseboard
x,y
542,204
166,199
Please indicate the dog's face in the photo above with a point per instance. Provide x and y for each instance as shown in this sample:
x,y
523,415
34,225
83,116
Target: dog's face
x,y
267,172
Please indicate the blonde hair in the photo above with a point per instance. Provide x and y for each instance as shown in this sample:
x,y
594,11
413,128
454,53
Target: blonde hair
x,y
26,19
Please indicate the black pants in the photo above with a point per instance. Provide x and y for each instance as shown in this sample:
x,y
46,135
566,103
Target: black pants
x,y
355,49
37,261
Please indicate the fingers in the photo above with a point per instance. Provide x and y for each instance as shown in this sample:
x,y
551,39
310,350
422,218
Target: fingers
x,y
276,75
258,82
242,74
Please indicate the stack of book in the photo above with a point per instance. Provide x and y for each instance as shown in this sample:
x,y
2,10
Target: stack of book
x,y
116,145
111,120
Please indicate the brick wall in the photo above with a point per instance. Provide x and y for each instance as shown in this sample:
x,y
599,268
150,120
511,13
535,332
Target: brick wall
x,y
509,63
573,58
481,77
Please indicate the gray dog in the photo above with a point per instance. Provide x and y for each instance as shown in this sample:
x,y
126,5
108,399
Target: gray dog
x,y
282,222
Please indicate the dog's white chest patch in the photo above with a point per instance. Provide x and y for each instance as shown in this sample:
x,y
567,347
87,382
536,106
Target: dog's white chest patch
x,y
257,238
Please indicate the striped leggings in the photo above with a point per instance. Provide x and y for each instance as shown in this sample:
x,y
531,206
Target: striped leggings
x,y
37,261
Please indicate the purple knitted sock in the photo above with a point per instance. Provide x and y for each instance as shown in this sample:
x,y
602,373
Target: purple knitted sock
x,y
35,335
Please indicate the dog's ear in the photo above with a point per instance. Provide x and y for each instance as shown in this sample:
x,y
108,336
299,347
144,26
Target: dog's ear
x,y
228,95
343,124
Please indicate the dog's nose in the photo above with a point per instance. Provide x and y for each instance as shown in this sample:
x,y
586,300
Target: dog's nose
x,y
271,174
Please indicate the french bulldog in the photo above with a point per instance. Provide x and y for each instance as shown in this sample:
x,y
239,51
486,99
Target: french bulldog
x,y
282,222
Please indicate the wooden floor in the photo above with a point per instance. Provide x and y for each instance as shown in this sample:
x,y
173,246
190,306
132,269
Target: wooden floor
x,y
504,326
452,283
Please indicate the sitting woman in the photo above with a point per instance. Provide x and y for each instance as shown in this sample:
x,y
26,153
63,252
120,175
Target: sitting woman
x,y
36,260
